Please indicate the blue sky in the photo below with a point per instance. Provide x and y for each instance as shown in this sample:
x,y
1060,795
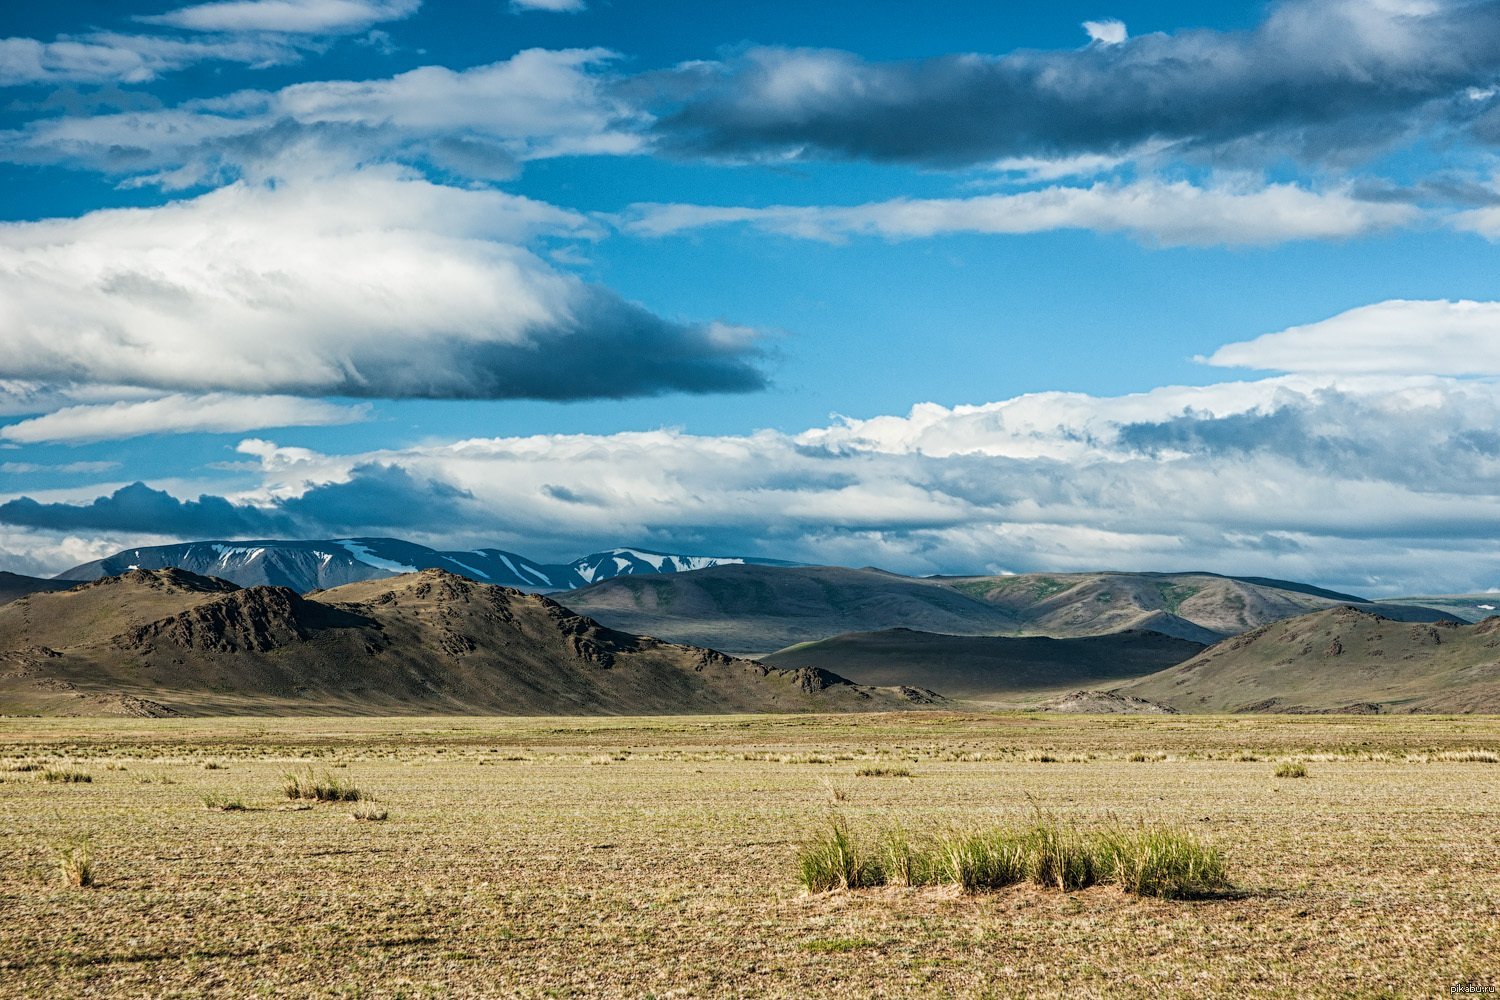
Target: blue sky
x,y
984,288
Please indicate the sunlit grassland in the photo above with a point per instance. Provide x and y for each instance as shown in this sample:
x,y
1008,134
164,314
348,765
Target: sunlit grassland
x,y
635,857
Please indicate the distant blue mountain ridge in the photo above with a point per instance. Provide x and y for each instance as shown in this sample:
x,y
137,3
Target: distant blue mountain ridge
x,y
317,565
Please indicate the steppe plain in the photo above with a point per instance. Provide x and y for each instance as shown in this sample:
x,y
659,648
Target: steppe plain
x,y
655,857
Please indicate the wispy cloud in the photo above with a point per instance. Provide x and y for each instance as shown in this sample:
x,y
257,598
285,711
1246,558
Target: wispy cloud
x,y
105,57
479,122
310,17
1169,214
214,413
555,6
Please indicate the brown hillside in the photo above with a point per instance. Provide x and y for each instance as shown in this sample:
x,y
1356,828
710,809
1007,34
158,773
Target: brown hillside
x,y
427,642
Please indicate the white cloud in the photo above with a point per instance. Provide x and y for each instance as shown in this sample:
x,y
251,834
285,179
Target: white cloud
x,y
478,122
1110,32
1396,337
45,553
319,17
1167,214
545,98
365,284
215,413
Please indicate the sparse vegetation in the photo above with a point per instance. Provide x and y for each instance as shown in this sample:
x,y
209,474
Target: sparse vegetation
x,y
679,870
216,802
1291,769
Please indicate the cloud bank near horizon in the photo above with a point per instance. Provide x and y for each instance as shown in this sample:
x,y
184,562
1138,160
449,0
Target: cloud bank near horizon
x,y
1374,483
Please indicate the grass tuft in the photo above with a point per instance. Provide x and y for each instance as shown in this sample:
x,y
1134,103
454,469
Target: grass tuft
x,y
1060,857
303,787
1166,863
883,772
904,863
369,813
838,861
980,862
65,775
1470,757
75,863
1147,861
222,803
1291,770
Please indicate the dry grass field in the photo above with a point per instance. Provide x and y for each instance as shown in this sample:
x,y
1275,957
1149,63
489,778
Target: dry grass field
x,y
658,857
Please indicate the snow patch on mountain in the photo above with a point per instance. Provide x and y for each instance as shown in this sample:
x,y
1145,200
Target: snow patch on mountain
x,y
363,554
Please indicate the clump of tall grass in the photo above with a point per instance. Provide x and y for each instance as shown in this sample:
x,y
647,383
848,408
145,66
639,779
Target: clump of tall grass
x,y
1470,757
65,775
980,862
75,863
1170,864
1059,857
1144,861
839,861
905,863
1292,769
303,787
883,772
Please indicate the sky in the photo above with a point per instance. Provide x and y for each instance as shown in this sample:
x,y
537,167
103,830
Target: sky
x,y
966,288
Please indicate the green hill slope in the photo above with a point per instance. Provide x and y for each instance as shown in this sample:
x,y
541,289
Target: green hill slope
x,y
997,670
1340,660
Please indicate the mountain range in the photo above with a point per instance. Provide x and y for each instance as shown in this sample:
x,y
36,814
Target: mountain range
x,y
170,642
305,566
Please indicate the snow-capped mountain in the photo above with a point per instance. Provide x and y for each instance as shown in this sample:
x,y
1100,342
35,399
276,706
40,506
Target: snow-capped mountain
x,y
317,565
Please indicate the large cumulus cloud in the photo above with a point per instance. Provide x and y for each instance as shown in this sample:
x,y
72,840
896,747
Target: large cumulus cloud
x,y
367,285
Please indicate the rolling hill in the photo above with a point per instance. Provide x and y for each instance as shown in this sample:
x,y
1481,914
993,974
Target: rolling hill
x,y
14,585
312,565
1344,659
753,609
756,609
991,669
169,642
